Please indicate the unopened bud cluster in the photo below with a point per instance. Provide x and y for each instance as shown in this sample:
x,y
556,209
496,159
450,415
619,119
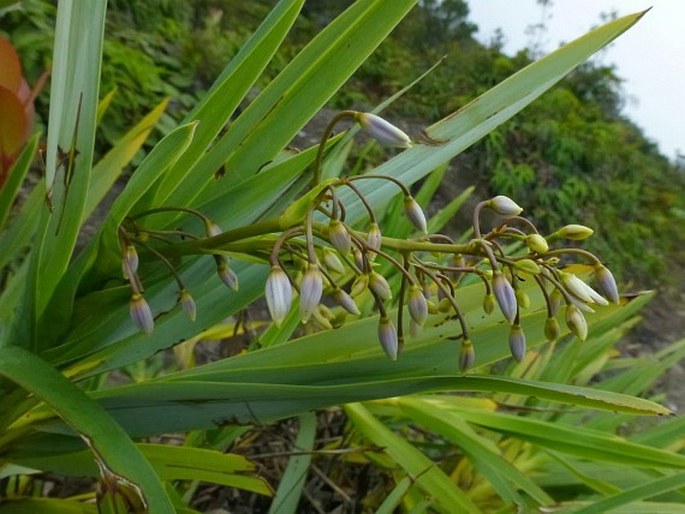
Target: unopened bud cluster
x,y
332,269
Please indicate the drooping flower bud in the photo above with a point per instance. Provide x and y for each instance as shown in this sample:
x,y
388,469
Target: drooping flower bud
x,y
522,298
332,262
339,236
517,343
187,304
488,303
387,336
467,355
556,299
226,274
415,214
607,283
130,263
417,304
504,205
345,301
311,290
505,295
537,243
374,238
575,321
141,313
212,228
279,294
552,329
382,130
574,232
380,286
358,258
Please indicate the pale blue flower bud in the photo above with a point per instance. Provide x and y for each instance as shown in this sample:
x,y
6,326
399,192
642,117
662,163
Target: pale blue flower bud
x,y
380,286
415,214
374,238
607,283
505,295
517,343
339,236
187,304
311,290
345,301
141,313
387,335
417,304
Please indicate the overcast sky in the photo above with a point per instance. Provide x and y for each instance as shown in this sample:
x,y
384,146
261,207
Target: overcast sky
x,y
650,56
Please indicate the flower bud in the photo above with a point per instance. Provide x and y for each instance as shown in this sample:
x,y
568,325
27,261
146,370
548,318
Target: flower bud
x,y
581,290
444,305
505,295
417,304
345,301
311,290
380,286
332,262
226,274
528,266
504,205
187,304
522,298
359,285
358,258
387,335
517,343
555,299
212,229
574,232
552,329
607,283
488,303
382,130
279,294
467,355
374,238
130,263
575,321
415,214
141,313
537,243
339,236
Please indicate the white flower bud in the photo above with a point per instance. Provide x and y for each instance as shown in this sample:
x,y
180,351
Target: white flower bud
x,y
187,304
517,343
467,355
415,214
607,283
380,286
345,301
575,321
332,262
339,236
505,295
417,304
279,294
382,130
374,238
504,205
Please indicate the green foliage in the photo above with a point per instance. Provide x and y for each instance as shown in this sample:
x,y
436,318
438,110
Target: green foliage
x,y
223,192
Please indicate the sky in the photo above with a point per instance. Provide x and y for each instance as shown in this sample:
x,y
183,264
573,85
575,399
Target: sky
x,y
650,57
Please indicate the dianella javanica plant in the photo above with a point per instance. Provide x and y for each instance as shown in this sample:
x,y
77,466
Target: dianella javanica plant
x,y
222,212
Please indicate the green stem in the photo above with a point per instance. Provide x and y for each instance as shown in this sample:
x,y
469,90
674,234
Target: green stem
x,y
324,138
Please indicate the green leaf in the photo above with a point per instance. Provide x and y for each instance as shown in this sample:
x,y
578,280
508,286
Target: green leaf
x,y
295,477
108,441
15,178
447,497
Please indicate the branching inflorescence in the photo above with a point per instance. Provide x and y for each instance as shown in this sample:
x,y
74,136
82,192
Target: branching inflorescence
x,y
319,254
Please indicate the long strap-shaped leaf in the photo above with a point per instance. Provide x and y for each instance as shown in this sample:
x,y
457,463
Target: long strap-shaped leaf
x,y
463,128
112,446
